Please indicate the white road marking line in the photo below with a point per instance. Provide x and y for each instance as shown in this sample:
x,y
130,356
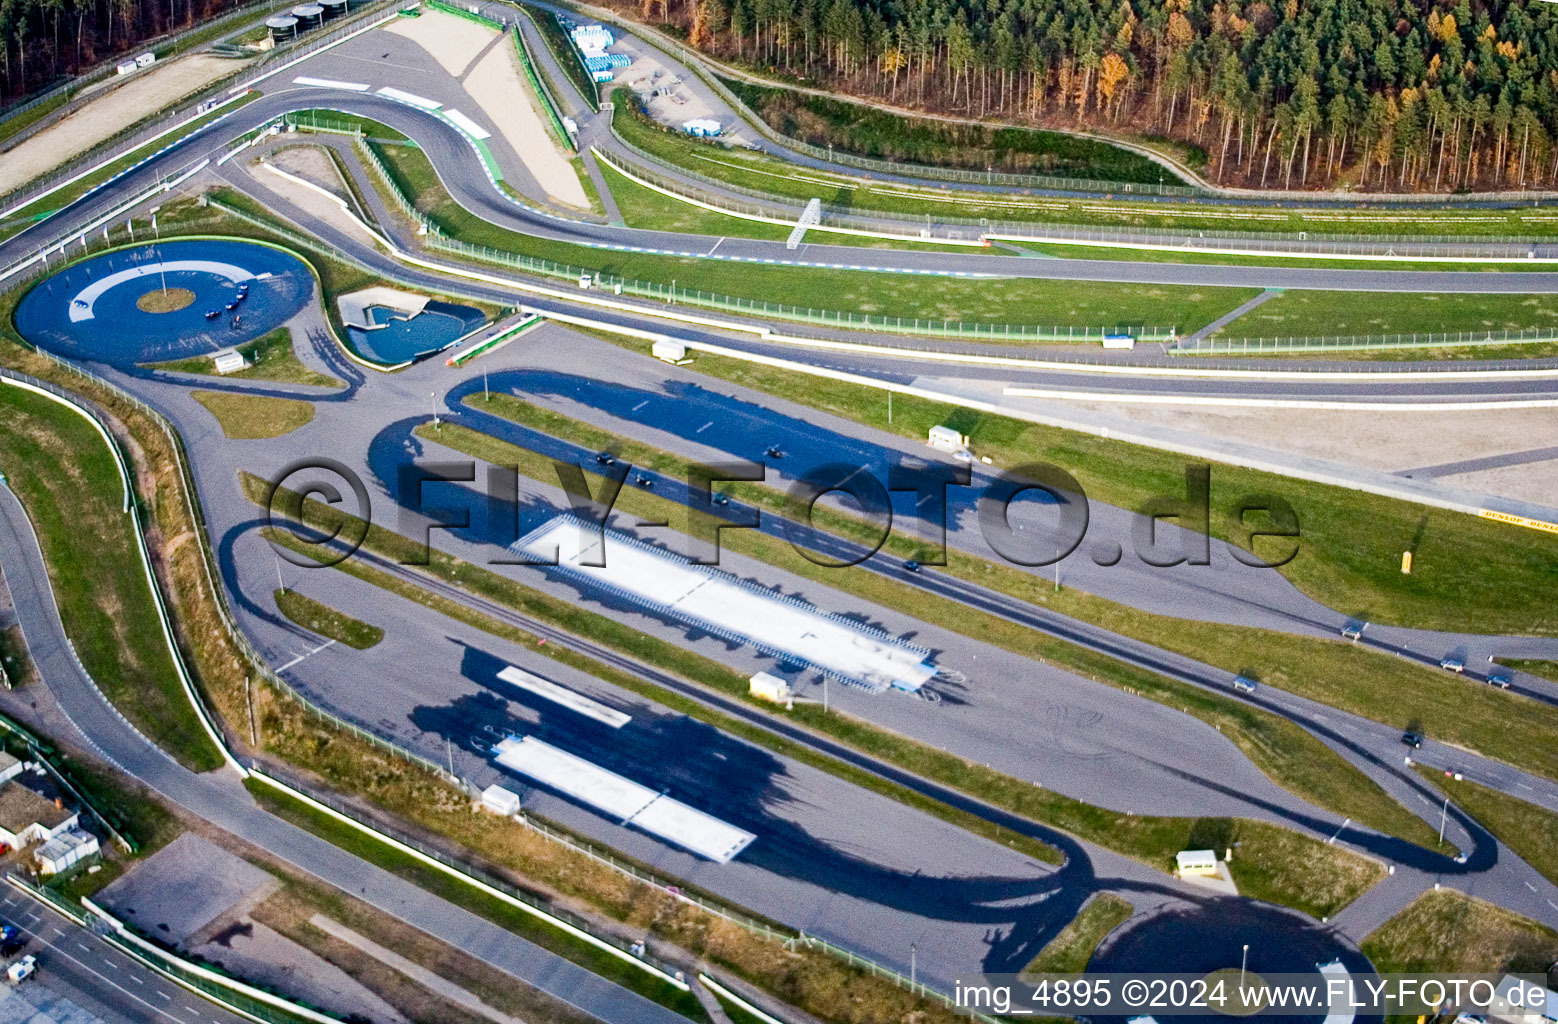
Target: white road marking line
x,y
1522,785
302,657
716,246
1531,887
640,405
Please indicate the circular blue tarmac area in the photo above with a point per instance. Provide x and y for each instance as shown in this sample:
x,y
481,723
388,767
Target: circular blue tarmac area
x,y
89,310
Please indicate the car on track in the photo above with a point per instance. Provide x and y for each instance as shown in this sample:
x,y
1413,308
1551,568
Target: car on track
x,y
1450,663
911,565
773,452
606,459
644,481
1244,684
1353,630
1412,739
1502,678
720,499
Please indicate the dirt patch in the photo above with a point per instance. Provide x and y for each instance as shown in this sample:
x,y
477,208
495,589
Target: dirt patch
x,y
110,113
1393,442
495,83
312,164
167,300
453,41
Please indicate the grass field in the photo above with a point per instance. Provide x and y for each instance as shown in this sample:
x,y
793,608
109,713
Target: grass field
x,y
270,358
1070,951
1275,864
67,479
326,621
998,300
1545,669
1445,930
1528,829
13,656
1468,574
1297,313
1281,749
249,417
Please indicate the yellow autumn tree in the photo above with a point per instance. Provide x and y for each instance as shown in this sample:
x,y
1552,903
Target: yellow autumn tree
x,y
1111,73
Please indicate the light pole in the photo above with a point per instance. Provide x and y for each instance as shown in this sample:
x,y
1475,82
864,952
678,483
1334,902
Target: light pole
x,y
433,396
486,393
914,964
1244,962
1444,812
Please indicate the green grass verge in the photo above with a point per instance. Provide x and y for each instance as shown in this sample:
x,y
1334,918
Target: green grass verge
x,y
994,300
1528,829
567,56
1315,314
462,894
881,135
1545,669
1446,931
67,194
1070,951
863,193
13,656
248,417
1468,575
270,358
326,621
67,479
1274,863
1284,751
10,126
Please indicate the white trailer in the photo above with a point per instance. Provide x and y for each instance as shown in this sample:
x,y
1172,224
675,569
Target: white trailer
x,y
126,67
945,439
145,60
668,351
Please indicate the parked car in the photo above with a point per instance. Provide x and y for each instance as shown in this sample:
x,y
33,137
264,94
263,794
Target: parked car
x,y
1500,678
1450,663
1412,739
11,944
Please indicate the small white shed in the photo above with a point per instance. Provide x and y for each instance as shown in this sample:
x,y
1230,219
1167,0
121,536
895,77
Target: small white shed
x,y
1196,862
499,800
769,687
229,360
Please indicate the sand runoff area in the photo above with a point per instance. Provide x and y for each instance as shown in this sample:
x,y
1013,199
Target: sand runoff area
x,y
498,86
108,114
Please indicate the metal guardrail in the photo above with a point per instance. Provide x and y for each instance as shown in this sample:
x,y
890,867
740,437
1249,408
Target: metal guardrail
x,y
1368,342
538,83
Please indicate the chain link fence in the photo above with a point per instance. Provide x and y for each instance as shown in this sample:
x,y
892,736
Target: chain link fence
x,y
1358,343
205,980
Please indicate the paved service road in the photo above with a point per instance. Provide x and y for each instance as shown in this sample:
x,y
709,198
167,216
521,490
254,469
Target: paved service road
x,y
80,974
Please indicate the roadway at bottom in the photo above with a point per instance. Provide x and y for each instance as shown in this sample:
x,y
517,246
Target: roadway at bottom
x,y
77,966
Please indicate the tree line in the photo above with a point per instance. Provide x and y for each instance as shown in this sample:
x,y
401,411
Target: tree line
x,y
1439,95
44,41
